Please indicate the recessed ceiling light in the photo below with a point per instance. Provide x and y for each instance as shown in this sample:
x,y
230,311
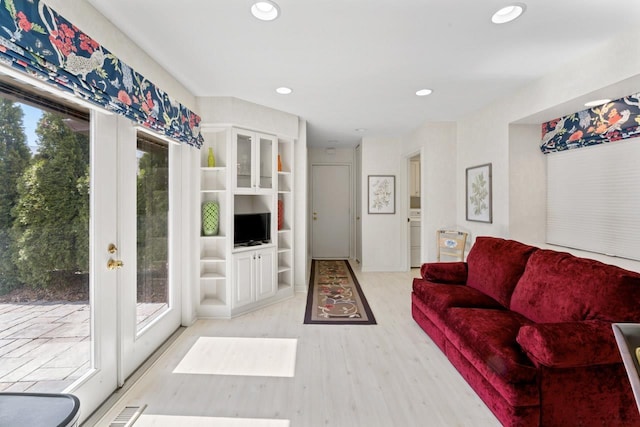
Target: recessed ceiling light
x,y
265,10
596,102
508,13
284,90
424,92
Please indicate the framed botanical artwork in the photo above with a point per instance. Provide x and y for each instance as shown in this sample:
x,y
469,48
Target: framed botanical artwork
x,y
478,193
382,194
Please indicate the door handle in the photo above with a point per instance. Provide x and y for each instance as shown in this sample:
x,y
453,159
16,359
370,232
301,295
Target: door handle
x,y
114,264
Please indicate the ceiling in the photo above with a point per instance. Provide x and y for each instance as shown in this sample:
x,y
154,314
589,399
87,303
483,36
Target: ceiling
x,y
356,64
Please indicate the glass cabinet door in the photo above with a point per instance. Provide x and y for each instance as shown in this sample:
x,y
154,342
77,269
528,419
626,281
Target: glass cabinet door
x,y
243,161
266,158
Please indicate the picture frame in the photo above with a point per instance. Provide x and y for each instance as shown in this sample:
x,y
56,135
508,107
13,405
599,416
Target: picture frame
x,y
478,193
382,194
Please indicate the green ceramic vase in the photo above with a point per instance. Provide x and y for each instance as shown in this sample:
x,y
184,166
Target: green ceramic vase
x,y
211,160
210,218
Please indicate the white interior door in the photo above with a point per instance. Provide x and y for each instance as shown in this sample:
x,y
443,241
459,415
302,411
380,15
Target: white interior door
x,y
331,207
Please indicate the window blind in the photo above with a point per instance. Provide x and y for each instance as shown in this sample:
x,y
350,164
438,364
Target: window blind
x,y
593,199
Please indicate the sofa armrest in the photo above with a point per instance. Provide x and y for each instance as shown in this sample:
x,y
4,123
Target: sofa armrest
x,y
571,344
445,272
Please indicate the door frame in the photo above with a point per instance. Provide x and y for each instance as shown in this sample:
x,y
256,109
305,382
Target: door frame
x,y
101,380
351,204
358,203
407,203
135,346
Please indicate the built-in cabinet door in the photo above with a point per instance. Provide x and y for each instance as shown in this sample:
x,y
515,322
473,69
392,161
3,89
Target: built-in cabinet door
x,y
255,276
265,273
265,156
414,181
243,174
254,159
415,236
244,277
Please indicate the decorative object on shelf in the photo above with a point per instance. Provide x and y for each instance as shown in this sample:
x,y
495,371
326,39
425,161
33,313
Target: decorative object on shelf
x,y
279,164
211,160
280,214
210,218
382,194
479,193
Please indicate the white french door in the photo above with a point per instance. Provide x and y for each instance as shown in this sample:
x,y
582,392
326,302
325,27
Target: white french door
x,y
149,296
126,327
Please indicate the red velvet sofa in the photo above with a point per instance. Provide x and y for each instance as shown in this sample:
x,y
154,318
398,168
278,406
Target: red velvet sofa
x,y
530,330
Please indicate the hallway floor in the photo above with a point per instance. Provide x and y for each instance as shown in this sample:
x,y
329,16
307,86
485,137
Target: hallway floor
x,y
389,374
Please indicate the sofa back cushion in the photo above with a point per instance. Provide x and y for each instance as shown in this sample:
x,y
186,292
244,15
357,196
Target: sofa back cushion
x,y
559,287
495,265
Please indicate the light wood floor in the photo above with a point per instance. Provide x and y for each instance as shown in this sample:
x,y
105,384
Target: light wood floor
x,y
389,374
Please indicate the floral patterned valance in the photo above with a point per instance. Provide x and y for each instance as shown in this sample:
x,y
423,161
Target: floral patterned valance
x,y
613,121
34,39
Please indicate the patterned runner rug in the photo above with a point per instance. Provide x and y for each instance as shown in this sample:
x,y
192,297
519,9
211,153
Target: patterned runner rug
x,y
335,296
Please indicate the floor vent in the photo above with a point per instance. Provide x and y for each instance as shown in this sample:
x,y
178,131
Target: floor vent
x,y
128,416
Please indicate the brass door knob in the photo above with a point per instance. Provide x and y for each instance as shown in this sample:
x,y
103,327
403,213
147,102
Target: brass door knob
x,y
114,264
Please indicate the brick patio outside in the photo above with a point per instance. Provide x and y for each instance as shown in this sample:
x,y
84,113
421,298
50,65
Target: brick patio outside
x,y
45,347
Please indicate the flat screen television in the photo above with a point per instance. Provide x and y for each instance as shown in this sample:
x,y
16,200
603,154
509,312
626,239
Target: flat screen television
x,y
251,229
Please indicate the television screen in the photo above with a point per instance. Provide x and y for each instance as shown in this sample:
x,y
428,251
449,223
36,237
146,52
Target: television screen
x,y
252,229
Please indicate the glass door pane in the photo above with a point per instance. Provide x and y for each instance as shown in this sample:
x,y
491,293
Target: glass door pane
x,y
244,161
152,203
266,159
45,312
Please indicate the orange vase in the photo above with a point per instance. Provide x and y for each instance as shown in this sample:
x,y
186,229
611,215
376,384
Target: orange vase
x,y
279,164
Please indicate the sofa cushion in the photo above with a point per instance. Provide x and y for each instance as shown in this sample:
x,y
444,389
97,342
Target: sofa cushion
x,y
570,344
445,272
439,297
487,339
495,266
559,287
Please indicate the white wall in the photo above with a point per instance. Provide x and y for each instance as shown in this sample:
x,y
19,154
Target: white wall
x,y
384,240
527,209
301,234
238,112
436,143
485,136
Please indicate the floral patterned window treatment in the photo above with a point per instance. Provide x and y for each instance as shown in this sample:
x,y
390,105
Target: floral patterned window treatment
x,y
35,40
613,121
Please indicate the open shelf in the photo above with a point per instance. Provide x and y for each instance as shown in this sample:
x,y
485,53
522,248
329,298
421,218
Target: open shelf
x,y
212,259
212,276
212,301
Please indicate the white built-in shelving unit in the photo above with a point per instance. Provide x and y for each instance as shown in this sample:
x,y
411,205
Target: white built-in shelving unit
x,y
245,179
